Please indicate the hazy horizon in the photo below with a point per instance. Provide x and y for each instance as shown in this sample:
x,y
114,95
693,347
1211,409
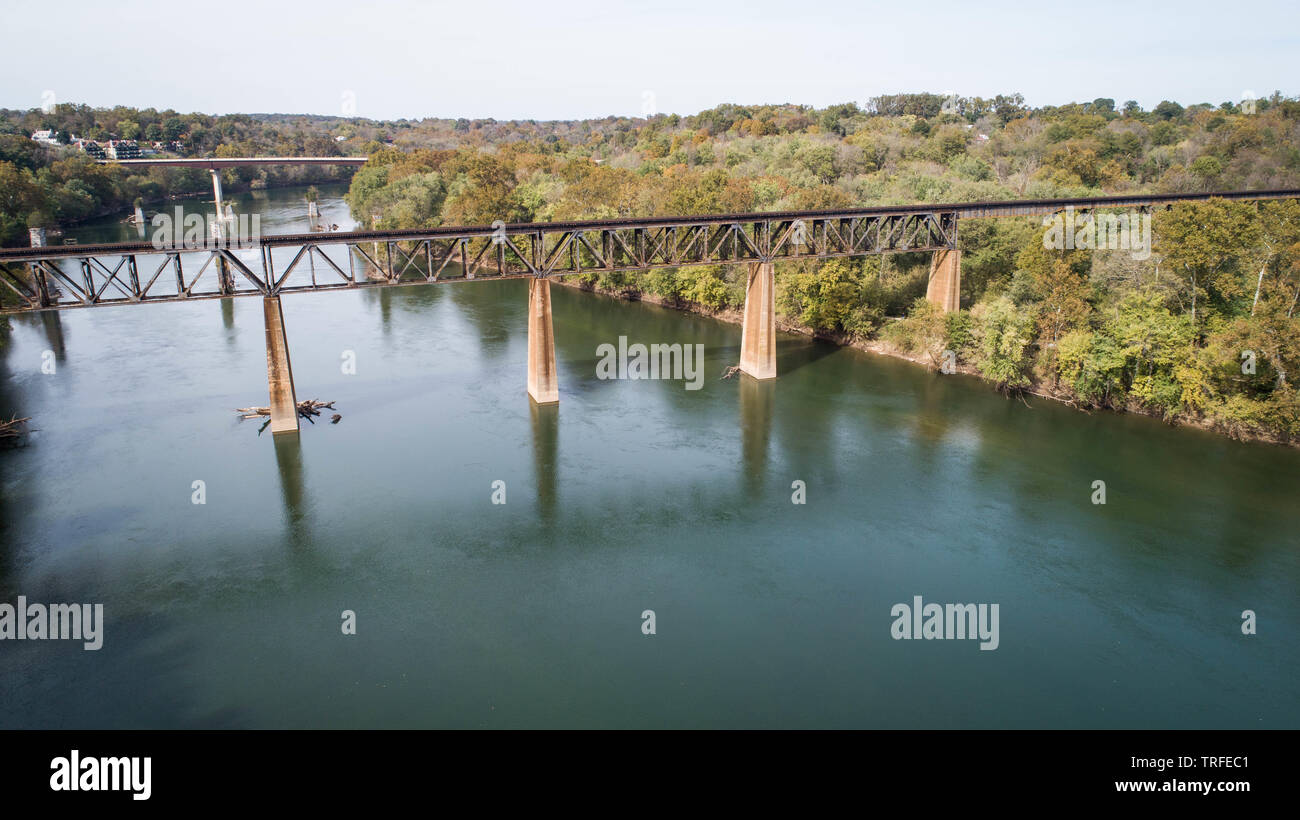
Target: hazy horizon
x,y
1119,101
585,60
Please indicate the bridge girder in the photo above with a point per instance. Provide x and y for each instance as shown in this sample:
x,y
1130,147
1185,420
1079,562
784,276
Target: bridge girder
x,y
110,275
132,273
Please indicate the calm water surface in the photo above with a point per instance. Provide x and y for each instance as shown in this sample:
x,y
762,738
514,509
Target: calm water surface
x,y
631,495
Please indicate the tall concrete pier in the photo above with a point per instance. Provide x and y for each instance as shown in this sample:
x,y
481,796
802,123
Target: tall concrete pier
x,y
225,279
758,333
945,280
279,373
543,383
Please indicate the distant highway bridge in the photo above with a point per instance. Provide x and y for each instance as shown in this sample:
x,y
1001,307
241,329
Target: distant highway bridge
x,y
214,163
141,272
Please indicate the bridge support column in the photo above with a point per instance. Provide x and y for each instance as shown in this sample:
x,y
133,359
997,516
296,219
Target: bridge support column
x,y
543,382
279,374
945,279
758,333
38,239
225,279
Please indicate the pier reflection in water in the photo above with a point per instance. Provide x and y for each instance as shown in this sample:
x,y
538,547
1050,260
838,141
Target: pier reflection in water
x,y
288,461
756,399
628,496
545,420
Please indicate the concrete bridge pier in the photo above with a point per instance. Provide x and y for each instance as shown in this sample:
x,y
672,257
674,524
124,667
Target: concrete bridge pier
x,y
543,382
225,279
279,373
38,240
944,289
758,333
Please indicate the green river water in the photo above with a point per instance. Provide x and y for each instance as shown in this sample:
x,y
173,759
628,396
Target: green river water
x,y
628,496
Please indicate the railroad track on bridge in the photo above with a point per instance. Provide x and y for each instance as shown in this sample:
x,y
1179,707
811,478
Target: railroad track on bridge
x,y
74,276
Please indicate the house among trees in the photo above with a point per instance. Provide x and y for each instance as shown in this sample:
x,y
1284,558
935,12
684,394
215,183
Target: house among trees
x,y
122,149
91,148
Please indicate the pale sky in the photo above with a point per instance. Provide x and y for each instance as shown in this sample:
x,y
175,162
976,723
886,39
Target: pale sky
x,y
573,59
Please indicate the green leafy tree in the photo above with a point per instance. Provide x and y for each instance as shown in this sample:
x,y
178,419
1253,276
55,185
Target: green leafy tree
x,y
1203,242
825,299
1003,335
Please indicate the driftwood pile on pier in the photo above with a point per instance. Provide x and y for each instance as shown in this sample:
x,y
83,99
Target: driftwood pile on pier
x,y
13,431
306,409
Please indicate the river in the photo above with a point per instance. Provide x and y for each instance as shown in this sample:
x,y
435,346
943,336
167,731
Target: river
x,y
629,496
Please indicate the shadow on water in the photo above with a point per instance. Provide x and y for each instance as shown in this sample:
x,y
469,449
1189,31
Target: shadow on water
x,y
584,321
228,318
418,300
756,399
794,355
546,430
52,326
288,459
495,317
11,404
812,381
935,411
384,296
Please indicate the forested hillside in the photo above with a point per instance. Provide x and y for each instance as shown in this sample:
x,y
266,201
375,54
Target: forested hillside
x,y
44,186
1201,330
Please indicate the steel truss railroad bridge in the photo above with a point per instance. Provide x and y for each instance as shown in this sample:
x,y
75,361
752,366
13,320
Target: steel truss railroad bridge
x,y
228,265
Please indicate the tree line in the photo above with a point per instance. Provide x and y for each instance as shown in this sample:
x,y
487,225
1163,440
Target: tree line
x,y
48,186
1201,329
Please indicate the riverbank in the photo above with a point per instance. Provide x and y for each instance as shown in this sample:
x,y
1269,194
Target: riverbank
x,y
124,214
905,476
881,347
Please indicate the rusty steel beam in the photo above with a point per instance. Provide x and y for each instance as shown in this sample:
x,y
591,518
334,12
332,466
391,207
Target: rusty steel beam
x,y
212,163
70,276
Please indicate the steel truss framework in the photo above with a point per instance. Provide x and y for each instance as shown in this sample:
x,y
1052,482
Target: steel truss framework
x,y
89,275
72,276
